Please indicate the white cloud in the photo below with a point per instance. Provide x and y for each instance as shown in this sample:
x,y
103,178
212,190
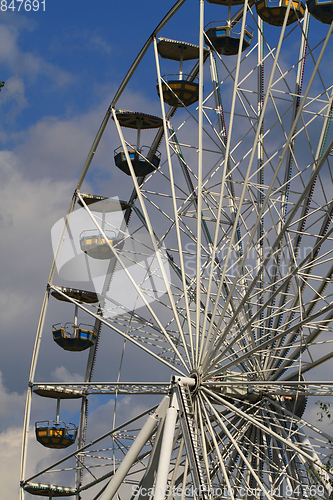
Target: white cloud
x,y
61,374
100,420
57,148
10,459
28,208
26,63
10,451
99,44
11,417
14,93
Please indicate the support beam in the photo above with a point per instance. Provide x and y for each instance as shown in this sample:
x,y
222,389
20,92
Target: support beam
x,y
166,449
134,450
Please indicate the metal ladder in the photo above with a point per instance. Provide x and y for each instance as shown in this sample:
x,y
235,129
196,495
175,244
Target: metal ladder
x,y
191,439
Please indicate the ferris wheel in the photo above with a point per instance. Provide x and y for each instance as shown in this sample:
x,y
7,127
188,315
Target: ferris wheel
x,y
214,271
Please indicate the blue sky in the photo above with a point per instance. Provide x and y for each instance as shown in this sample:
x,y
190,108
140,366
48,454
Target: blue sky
x,y
61,68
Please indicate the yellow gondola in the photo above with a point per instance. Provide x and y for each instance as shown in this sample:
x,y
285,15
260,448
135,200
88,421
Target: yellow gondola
x,y
179,92
141,163
72,337
274,13
179,89
96,245
226,39
321,10
52,434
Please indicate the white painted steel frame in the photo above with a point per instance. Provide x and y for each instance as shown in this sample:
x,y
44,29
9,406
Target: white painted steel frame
x,y
217,323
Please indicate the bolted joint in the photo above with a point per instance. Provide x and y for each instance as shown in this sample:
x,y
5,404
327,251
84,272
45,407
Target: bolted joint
x,y
189,381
